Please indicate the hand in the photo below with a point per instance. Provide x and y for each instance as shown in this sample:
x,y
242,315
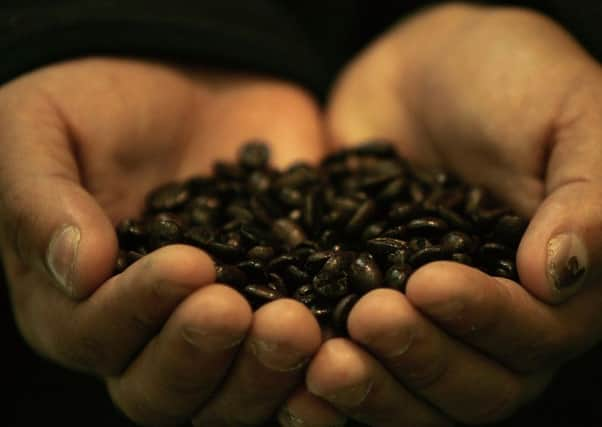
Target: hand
x,y
82,144
505,99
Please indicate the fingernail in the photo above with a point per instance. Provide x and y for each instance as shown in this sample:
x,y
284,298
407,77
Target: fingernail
x,y
350,397
286,418
278,357
62,255
567,262
210,341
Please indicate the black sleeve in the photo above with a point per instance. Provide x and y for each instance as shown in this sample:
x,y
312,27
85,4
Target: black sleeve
x,y
256,35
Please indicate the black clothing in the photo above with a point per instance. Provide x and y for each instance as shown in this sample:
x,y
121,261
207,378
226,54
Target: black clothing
x,y
304,41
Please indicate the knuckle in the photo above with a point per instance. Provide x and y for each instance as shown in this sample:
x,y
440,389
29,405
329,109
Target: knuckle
x,y
497,406
422,373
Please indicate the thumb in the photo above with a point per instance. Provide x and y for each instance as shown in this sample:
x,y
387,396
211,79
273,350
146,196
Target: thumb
x,y
561,251
49,223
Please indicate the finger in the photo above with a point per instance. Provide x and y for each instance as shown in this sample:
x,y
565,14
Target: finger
x,y
562,247
48,222
181,367
360,387
303,409
283,337
502,319
453,377
103,333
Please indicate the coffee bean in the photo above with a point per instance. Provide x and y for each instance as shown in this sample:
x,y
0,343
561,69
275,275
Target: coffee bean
x,y
365,275
305,294
131,233
427,226
162,232
261,253
397,276
383,246
254,155
230,275
340,314
262,292
168,197
509,230
426,255
288,232
457,241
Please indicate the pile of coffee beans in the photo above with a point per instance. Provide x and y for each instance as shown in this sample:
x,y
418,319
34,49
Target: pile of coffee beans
x,y
325,234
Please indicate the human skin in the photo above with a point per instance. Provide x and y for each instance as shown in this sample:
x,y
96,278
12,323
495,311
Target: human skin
x,y
82,144
506,99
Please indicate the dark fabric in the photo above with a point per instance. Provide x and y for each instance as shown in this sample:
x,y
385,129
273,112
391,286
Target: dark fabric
x,y
307,42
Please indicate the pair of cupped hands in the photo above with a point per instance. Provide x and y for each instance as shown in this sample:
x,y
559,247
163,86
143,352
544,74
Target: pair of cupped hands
x,y
504,98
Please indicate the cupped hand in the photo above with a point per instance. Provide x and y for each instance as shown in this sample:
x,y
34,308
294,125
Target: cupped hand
x,y
82,143
505,99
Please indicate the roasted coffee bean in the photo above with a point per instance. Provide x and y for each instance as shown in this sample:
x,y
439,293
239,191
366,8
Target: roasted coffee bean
x,y
258,182
509,230
315,261
374,230
328,238
131,233
253,269
400,213
162,232
462,258
365,275
375,148
457,241
321,312
261,253
427,226
288,232
199,236
340,314
392,190
417,192
254,235
125,259
397,276
254,155
262,292
299,175
398,232
295,275
383,246
276,283
291,197
474,199
238,212
418,243
331,287
305,294
168,197
361,217
455,220
399,257
426,255
223,251
491,251
282,262
230,275
504,268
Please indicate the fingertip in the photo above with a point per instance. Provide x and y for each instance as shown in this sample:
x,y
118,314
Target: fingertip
x,y
288,323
